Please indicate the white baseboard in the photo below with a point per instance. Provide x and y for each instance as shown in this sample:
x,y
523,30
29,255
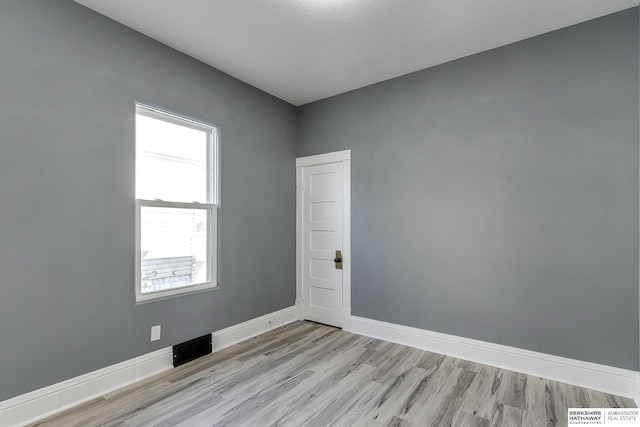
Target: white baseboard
x,y
36,405
251,328
44,402
617,381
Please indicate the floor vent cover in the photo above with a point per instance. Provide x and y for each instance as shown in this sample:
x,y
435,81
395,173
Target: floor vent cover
x,y
191,350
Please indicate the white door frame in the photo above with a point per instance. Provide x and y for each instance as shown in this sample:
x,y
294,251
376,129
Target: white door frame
x,y
301,162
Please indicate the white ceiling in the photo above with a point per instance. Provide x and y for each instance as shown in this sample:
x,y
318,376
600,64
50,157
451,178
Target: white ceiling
x,y
305,50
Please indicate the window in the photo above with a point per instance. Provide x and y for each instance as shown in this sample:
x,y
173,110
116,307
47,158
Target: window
x,y
176,211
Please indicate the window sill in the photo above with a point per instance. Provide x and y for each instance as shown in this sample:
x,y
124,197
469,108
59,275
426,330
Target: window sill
x,y
172,293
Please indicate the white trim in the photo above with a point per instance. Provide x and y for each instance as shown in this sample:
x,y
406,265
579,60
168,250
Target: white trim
x,y
621,382
299,242
320,159
346,243
173,117
42,403
36,405
637,397
243,331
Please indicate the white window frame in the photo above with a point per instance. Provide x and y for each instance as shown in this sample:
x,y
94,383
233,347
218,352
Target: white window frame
x,y
213,191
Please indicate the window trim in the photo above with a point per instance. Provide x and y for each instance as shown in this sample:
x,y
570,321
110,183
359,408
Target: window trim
x,y
213,194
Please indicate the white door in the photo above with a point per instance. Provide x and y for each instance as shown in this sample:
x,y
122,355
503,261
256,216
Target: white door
x,y
322,236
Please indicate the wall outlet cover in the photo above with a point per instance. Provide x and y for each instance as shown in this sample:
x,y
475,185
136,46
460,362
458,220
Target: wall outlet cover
x,y
155,333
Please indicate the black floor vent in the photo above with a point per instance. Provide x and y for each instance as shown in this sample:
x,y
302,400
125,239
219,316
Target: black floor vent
x,y
191,350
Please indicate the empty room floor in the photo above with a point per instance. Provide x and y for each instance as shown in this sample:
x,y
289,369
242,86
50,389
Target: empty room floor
x,y
307,374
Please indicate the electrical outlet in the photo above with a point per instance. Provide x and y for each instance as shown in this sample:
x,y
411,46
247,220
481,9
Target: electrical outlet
x,y
155,333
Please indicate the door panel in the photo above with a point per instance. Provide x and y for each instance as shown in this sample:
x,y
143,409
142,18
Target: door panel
x,y
322,237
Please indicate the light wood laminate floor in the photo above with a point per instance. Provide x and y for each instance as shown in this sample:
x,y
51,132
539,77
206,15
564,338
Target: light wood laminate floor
x,y
306,374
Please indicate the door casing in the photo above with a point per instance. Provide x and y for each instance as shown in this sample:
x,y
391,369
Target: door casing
x,y
301,162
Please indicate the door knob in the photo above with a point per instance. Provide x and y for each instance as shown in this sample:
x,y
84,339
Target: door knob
x,y
338,260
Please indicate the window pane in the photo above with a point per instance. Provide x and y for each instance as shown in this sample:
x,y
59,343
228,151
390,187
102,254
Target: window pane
x,y
171,161
174,248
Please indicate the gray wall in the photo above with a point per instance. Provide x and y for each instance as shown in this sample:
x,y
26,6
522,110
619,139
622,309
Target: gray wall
x,y
496,197
68,82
